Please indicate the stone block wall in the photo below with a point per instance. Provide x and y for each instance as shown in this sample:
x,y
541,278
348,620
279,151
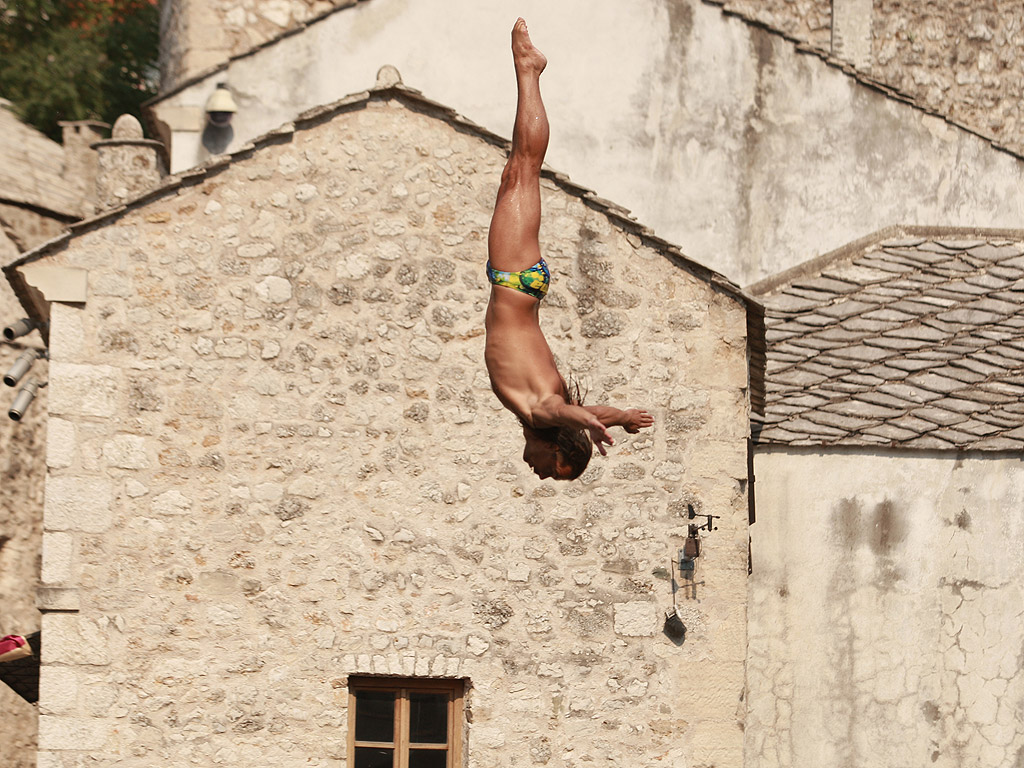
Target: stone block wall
x,y
958,57
276,461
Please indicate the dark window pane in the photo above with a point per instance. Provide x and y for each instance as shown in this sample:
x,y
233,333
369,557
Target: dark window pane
x,y
375,716
428,758
373,757
428,718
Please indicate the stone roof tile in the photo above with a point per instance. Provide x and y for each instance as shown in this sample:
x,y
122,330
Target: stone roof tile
x,y
913,338
32,168
892,433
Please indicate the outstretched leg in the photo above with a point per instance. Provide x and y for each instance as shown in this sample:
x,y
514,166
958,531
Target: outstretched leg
x,y
512,242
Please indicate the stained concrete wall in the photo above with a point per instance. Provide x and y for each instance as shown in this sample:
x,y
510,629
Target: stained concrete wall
x,y
720,135
885,610
276,461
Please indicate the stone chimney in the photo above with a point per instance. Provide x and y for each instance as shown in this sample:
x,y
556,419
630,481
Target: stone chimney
x,y
80,164
851,32
129,165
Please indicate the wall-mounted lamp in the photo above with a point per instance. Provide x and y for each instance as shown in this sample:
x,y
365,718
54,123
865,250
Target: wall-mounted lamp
x,y
21,365
220,107
24,399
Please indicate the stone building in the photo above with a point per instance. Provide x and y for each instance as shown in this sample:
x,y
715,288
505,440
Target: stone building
x,y
782,129
887,556
276,474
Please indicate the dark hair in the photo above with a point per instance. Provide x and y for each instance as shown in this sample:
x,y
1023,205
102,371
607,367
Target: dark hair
x,y
574,446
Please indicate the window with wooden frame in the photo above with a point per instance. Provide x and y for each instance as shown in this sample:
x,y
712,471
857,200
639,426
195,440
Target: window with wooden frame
x,y
404,722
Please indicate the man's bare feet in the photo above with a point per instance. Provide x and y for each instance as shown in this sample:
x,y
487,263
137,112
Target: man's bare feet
x,y
524,54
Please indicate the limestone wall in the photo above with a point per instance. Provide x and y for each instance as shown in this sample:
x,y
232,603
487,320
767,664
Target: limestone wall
x,y
959,57
885,609
276,461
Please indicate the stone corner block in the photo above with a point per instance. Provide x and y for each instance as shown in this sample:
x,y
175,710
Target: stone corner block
x,y
84,390
67,335
636,619
77,733
61,443
77,504
68,638
58,554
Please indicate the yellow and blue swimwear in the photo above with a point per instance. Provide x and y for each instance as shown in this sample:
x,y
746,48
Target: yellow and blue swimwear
x,y
533,281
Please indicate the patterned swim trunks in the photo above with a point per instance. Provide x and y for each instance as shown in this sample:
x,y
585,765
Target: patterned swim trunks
x,y
532,281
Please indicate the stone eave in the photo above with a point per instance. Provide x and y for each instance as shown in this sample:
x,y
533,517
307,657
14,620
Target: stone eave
x,y
414,100
42,210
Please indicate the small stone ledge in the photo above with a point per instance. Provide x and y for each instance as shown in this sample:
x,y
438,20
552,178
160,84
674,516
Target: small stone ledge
x,y
58,599
404,665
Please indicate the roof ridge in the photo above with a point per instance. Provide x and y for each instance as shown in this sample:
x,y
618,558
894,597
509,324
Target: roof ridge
x,y
412,99
886,89
856,247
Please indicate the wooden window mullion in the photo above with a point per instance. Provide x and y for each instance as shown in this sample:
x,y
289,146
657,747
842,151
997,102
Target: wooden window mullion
x,y
402,723
449,756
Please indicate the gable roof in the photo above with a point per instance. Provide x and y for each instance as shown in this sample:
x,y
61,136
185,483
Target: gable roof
x,y
389,87
910,338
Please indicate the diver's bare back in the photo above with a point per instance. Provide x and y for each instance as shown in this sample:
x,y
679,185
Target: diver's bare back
x,y
519,360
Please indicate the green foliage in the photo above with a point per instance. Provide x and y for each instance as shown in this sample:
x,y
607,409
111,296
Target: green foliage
x,y
77,59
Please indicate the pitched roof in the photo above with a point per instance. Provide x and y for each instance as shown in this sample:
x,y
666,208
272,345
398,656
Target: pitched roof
x,y
31,168
910,338
389,87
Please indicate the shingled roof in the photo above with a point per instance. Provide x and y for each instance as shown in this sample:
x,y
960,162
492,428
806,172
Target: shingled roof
x,y
31,168
910,338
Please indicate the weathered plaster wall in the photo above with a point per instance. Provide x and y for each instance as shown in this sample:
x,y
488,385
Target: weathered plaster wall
x,y
726,140
885,610
276,461
958,57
